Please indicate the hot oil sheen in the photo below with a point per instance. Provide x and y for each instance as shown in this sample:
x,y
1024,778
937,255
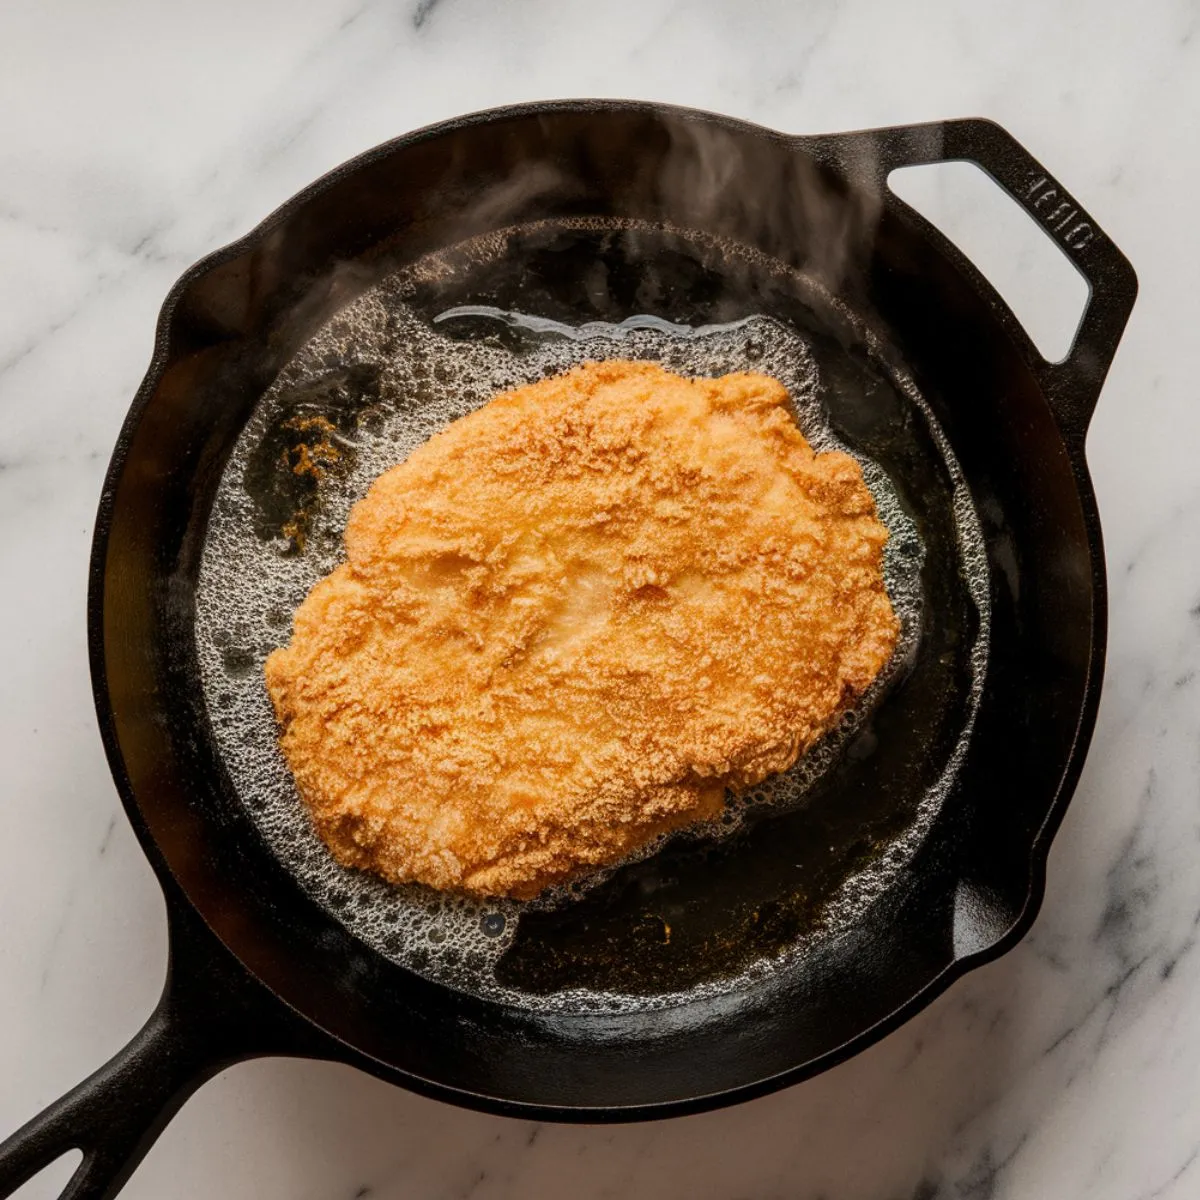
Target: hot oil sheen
x,y
370,387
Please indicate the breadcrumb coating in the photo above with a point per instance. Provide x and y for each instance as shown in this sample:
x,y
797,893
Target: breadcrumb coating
x,y
567,623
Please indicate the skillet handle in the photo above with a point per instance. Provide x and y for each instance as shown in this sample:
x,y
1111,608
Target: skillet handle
x,y
114,1115
211,1014
1073,384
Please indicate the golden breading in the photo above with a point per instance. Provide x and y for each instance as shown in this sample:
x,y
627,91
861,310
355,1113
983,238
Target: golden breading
x,y
569,621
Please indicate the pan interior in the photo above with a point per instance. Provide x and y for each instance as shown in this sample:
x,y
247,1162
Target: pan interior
x,y
792,864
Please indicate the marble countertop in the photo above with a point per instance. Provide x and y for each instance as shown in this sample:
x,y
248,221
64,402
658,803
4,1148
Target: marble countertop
x,y
136,137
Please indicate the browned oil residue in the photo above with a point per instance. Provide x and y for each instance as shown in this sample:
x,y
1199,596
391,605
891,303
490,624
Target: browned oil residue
x,y
310,443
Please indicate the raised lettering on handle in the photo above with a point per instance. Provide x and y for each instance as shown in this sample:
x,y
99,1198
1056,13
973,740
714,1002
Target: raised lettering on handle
x,y
1058,213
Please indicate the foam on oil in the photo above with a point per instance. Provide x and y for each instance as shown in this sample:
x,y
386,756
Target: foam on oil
x,y
249,586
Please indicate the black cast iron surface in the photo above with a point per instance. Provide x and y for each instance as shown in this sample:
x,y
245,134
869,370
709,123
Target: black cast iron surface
x,y
256,966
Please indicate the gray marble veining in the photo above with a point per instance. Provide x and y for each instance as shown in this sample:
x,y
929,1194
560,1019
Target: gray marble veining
x,y
135,138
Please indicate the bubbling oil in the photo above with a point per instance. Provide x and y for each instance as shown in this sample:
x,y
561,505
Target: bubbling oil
x,y
423,375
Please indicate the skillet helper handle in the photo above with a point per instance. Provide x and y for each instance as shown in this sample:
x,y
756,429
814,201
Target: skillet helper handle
x,y
1073,384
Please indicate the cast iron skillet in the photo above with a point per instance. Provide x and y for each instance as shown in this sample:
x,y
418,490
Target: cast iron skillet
x,y
258,967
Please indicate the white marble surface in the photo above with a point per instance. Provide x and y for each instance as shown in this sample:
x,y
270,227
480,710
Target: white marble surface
x,y
135,136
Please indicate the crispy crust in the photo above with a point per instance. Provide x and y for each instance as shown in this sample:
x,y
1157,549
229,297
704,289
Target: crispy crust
x,y
569,621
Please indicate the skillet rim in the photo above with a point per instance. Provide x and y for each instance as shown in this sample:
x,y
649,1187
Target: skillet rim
x,y
1056,804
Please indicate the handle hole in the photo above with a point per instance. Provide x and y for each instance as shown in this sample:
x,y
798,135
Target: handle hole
x,y
49,1182
1018,258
